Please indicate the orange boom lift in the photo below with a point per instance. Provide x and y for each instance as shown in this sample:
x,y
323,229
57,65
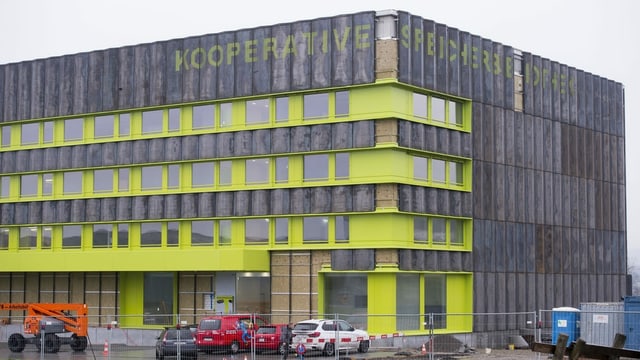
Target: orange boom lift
x,y
48,320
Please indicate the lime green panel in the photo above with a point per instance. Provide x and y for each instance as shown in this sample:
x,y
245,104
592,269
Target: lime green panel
x,y
143,259
131,301
381,231
379,102
381,302
460,301
380,166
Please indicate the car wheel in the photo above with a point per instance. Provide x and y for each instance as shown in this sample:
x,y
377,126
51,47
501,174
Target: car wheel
x,y
364,346
235,347
329,349
51,343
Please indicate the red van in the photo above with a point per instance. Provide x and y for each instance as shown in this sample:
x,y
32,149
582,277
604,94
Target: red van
x,y
227,333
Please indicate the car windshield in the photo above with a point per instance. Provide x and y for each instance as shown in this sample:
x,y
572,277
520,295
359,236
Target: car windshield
x,y
210,324
305,326
172,334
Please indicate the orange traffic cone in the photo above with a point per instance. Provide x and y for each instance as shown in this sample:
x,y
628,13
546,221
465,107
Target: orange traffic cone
x,y
105,350
424,349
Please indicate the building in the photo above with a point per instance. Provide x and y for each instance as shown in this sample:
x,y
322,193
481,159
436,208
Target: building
x,y
375,163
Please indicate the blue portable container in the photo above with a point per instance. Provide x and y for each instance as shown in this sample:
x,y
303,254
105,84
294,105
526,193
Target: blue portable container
x,y
565,320
632,322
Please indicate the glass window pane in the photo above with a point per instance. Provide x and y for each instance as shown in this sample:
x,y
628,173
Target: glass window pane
x,y
124,124
174,119
455,172
455,113
151,234
224,232
4,191
407,301
342,103
202,174
419,168
73,129
152,121
123,179
174,176
282,231
435,300
342,165
420,230
256,231
282,109
72,182
203,117
202,232
103,180
30,134
6,136
316,167
29,185
456,234
47,184
225,114
103,126
123,235
257,111
347,294
158,298
225,173
151,177
28,237
71,236
342,228
4,238
420,105
46,237
47,135
257,171
282,169
316,229
173,233
437,170
439,226
316,105
437,109
102,235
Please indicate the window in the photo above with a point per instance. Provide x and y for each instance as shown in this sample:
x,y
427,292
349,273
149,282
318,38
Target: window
x,y
4,238
102,235
437,109
123,235
455,172
257,111
282,169
316,105
151,177
420,229
152,121
455,113
420,105
315,229
202,174
347,294
72,182
158,298
173,233
202,232
151,234
282,231
174,119
28,185
225,114
124,124
103,180
103,126
342,103
4,184
456,232
257,171
316,167
420,168
174,176
203,117
123,179
6,136
71,236
282,109
441,171
28,237
47,137
29,134
435,301
224,232
256,231
46,237
224,177
342,228
438,170
439,230
407,301
73,129
47,184
342,165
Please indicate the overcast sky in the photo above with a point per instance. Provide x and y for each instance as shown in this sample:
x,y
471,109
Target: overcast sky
x,y
600,37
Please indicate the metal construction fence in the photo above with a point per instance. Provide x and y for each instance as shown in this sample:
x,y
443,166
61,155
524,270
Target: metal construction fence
x,y
432,336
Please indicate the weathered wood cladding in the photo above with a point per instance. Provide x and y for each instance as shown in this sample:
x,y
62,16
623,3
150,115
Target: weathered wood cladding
x,y
304,55
357,198
431,200
433,260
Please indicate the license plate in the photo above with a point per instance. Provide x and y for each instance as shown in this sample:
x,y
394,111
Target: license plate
x,y
208,339
180,342
260,340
